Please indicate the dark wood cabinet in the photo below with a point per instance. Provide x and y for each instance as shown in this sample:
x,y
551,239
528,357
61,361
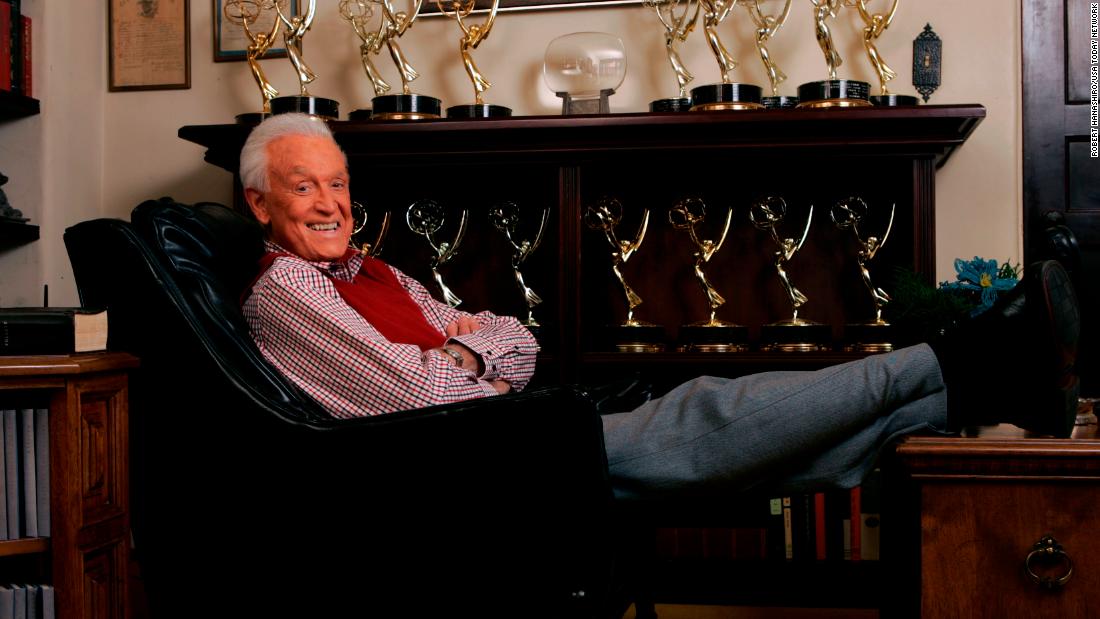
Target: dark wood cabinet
x,y
651,161
86,556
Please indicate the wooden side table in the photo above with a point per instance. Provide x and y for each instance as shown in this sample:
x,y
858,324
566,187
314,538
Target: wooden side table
x,y
87,396
1003,518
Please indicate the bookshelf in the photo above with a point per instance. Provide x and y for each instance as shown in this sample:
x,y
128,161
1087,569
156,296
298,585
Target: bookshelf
x,y
86,556
14,106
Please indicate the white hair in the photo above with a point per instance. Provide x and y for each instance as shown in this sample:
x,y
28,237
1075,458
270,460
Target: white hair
x,y
254,155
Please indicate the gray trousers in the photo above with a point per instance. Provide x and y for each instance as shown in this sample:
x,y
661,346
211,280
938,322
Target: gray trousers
x,y
781,432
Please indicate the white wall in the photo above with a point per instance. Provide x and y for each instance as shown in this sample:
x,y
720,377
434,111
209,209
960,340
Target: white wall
x,y
92,153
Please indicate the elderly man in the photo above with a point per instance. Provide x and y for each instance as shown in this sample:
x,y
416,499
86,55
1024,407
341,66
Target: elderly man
x,y
364,339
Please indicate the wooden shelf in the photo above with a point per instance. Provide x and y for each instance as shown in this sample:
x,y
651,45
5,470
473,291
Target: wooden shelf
x,y
926,131
25,546
13,233
14,106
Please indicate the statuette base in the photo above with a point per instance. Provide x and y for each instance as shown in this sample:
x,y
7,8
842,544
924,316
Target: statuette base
x,y
478,110
677,104
714,336
795,335
893,100
872,337
735,96
834,93
779,102
320,107
637,336
405,107
360,115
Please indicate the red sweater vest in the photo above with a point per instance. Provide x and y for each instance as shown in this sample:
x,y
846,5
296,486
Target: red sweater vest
x,y
382,301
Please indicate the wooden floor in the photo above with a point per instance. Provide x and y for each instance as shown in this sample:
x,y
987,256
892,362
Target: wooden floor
x,y
675,611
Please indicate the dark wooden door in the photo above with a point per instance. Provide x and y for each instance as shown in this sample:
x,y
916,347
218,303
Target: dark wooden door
x,y
1060,175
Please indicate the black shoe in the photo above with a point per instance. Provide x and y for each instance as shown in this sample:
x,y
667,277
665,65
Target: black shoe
x,y
1015,362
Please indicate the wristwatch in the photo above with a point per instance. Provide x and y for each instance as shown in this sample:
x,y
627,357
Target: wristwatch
x,y
454,354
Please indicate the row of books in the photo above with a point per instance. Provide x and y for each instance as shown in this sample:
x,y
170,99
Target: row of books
x,y
824,526
15,48
25,473
27,602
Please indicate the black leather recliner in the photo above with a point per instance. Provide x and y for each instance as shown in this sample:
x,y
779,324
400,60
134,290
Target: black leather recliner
x,y
249,500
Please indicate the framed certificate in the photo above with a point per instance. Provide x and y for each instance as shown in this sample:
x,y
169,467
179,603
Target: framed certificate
x,y
230,40
149,43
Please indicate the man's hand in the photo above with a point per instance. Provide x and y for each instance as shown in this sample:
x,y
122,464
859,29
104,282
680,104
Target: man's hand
x,y
462,326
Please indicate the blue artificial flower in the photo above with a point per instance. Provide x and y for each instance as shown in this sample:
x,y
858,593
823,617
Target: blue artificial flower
x,y
982,277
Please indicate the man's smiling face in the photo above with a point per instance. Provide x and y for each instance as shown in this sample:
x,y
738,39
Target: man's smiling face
x,y
308,206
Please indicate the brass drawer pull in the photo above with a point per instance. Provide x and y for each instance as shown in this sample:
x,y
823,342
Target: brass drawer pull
x,y
1048,551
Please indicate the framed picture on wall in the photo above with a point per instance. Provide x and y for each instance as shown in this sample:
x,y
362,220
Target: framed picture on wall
x,y
231,40
431,8
149,44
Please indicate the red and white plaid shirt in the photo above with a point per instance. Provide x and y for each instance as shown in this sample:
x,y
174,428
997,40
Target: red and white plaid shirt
x,y
306,330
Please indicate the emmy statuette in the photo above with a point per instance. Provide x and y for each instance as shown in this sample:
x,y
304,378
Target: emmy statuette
x,y
727,95
246,14
766,27
874,25
359,224
832,92
505,217
295,28
472,36
711,335
632,335
406,105
875,335
426,217
677,26
793,334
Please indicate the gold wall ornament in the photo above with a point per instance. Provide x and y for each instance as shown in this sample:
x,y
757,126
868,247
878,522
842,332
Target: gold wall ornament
x,y
359,224
426,217
245,13
766,27
505,217
359,13
605,216
677,27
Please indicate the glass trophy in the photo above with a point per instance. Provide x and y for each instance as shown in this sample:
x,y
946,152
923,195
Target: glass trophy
x,y
632,335
727,95
874,25
472,36
250,15
874,335
506,218
405,105
831,92
794,334
674,17
767,25
295,28
584,69
711,335
426,218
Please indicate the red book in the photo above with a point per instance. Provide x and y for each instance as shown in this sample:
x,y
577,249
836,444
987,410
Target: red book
x,y
856,522
27,56
819,525
5,45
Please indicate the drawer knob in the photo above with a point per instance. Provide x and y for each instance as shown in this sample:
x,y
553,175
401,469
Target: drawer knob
x,y
1047,552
